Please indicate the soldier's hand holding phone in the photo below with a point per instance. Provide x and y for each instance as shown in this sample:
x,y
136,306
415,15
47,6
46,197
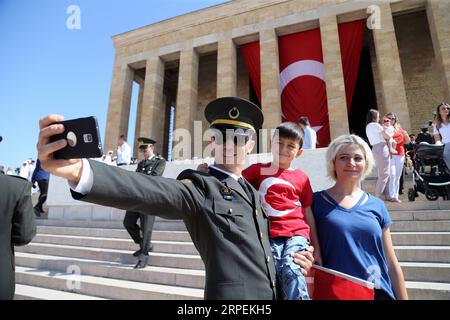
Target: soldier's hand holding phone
x,y
61,145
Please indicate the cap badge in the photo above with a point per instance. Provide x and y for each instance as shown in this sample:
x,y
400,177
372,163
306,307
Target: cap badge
x,y
234,113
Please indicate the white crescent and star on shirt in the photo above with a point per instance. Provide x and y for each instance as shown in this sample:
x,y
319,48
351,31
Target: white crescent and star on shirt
x,y
264,187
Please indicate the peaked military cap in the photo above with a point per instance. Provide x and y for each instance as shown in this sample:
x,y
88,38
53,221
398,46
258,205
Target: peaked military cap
x,y
424,126
233,113
145,142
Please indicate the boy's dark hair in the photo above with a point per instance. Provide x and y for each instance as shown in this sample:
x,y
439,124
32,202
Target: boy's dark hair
x,y
122,136
290,130
303,120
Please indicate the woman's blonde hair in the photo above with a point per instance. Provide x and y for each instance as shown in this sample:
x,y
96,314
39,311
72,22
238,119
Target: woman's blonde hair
x,y
337,144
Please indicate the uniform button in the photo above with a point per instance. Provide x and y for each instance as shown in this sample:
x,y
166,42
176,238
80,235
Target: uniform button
x,y
256,212
268,258
230,211
273,284
260,235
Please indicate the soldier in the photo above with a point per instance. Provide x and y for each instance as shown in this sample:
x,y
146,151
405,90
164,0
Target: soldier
x,y
17,227
151,165
221,211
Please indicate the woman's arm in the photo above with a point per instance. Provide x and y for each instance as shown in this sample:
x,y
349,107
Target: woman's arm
x,y
395,271
406,138
437,137
384,134
436,134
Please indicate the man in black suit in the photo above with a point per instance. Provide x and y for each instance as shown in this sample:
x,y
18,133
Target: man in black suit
x,y
152,165
221,211
17,227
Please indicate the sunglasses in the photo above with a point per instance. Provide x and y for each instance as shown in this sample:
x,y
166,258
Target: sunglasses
x,y
238,139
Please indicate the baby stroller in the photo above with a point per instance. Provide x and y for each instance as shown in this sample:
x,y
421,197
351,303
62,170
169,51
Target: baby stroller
x,y
430,173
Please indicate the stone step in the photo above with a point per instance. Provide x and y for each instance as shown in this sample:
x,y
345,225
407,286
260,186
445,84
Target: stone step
x,y
423,253
423,215
421,226
418,205
428,272
160,224
428,290
421,238
25,292
112,233
103,287
113,243
125,257
150,274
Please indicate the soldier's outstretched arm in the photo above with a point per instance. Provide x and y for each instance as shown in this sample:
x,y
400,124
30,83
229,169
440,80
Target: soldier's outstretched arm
x,y
115,187
127,190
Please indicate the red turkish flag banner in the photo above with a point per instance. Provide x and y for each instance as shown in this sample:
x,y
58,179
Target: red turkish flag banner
x,y
302,84
251,54
328,284
351,39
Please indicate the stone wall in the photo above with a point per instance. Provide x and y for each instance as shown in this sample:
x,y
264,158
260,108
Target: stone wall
x,y
419,67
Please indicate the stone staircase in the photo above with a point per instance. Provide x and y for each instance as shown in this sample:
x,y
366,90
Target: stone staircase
x,y
421,238
102,250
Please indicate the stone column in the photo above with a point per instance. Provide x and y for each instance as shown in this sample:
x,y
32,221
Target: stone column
x,y
226,69
334,77
119,105
186,105
137,127
270,78
390,71
153,111
438,13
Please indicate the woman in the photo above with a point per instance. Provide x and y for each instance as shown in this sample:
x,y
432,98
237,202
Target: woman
x,y
397,161
377,138
441,130
353,226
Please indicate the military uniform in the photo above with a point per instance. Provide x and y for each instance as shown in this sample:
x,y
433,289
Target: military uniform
x,y
17,227
142,234
228,227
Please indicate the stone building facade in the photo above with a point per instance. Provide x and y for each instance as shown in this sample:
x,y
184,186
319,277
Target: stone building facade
x,y
188,60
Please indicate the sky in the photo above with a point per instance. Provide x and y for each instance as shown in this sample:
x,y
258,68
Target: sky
x,y
45,67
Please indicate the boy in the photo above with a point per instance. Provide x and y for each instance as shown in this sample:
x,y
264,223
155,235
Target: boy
x,y
286,197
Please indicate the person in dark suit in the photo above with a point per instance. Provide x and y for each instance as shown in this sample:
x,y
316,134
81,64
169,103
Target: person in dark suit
x,y
424,135
222,212
41,177
151,165
17,227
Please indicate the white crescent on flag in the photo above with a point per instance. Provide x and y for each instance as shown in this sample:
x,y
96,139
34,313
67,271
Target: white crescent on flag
x,y
300,68
265,185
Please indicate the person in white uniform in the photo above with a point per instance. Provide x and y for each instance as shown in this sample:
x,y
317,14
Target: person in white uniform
x,y
123,152
377,139
310,136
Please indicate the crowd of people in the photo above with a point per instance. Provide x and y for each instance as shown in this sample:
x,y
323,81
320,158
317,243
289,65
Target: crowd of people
x,y
391,145
290,228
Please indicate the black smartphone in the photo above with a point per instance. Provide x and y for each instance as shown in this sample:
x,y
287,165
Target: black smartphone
x,y
83,139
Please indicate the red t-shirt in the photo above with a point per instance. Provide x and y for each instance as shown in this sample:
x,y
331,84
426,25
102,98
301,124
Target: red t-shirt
x,y
285,194
400,139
